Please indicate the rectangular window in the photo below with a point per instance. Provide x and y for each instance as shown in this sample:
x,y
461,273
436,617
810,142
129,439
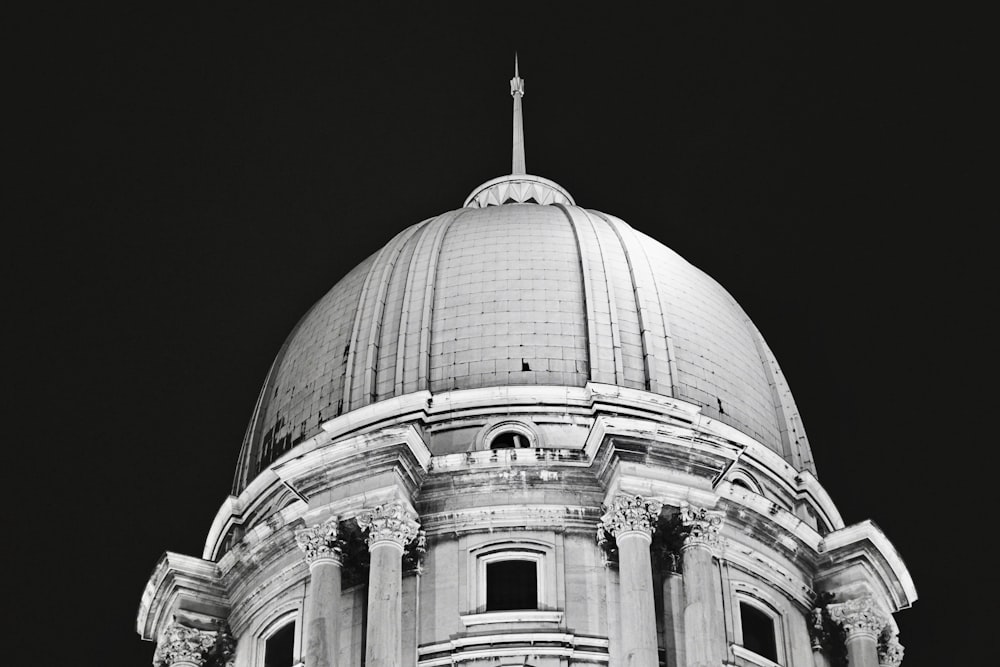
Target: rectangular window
x,y
758,632
511,584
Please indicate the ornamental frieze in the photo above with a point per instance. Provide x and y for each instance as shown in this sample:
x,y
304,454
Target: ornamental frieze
x,y
389,522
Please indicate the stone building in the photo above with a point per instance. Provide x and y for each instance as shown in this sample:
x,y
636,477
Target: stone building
x,y
523,433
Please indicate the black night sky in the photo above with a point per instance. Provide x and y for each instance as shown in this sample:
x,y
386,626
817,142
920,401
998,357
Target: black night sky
x,y
198,176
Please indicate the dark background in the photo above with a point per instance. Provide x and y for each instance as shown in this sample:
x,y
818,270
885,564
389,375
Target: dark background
x,y
194,178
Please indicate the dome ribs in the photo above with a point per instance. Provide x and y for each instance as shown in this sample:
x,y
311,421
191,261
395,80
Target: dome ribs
x,y
413,342
795,444
364,304
525,294
602,324
651,328
370,367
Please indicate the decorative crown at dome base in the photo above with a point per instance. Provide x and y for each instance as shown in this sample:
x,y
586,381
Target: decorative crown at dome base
x,y
518,189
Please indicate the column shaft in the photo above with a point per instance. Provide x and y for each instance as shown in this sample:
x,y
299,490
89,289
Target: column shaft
x,y
673,618
322,615
638,616
702,615
862,650
385,614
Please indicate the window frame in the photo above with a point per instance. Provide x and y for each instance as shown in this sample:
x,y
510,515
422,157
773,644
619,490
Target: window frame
x,y
520,428
777,623
514,554
491,549
271,628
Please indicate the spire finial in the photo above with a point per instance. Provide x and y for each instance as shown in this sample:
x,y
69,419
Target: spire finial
x,y
517,92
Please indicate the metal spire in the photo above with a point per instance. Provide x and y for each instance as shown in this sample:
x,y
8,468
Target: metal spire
x,y
517,92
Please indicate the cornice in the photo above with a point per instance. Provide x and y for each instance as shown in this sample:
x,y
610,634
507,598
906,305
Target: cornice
x,y
865,544
175,578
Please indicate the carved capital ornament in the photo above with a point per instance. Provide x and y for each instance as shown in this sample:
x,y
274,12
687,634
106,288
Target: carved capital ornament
x,y
181,645
320,543
628,514
859,617
890,651
388,523
703,527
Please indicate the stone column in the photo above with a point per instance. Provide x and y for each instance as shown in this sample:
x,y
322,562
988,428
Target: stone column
x,y
673,617
632,520
321,636
862,621
181,646
390,527
704,638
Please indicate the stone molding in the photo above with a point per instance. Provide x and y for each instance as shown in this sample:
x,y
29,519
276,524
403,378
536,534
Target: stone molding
x,y
389,522
321,542
630,514
703,528
181,645
859,617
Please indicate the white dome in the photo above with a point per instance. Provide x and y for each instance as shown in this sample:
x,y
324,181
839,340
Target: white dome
x,y
522,294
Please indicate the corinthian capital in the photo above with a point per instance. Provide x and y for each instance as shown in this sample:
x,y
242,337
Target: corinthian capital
x,y
388,523
858,617
890,651
703,527
631,514
320,542
183,646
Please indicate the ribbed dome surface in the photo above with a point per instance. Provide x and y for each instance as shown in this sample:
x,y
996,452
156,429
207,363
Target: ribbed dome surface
x,y
521,294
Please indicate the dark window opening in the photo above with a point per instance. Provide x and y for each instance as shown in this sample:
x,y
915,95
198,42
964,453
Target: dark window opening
x,y
280,647
741,483
509,440
758,632
511,584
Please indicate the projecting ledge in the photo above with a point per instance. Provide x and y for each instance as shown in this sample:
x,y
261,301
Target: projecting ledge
x,y
515,616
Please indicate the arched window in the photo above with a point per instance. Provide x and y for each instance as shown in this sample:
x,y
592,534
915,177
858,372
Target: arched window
x,y
509,440
758,631
744,480
509,435
279,647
